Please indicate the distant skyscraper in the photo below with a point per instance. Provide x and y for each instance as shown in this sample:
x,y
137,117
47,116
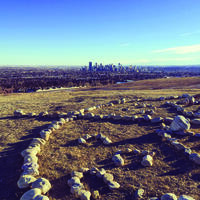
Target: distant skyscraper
x,y
90,66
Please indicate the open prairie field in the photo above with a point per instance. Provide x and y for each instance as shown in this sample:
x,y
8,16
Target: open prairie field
x,y
171,172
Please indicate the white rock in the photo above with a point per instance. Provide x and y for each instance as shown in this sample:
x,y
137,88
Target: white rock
x,y
178,145
77,174
107,141
81,141
18,113
76,188
43,184
87,137
118,160
147,161
37,141
74,180
180,123
113,185
25,181
85,195
31,171
100,173
30,165
169,196
45,134
147,118
95,194
31,194
31,151
29,158
107,177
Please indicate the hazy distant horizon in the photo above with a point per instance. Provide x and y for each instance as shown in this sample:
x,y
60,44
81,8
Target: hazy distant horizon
x,y
147,32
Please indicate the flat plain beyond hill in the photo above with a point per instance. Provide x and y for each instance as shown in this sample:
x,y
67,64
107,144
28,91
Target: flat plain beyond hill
x,y
171,171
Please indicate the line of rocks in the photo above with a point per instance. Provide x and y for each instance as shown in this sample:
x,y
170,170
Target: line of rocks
x,y
78,189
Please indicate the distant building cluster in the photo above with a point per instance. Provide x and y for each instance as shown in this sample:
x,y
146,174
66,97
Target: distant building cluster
x,y
111,68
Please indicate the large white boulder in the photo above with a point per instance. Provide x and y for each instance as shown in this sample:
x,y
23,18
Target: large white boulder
x,y
180,123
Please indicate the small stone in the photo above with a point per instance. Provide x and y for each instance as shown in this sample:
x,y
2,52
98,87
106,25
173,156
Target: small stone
x,y
84,170
87,137
76,189
185,197
128,150
169,196
30,159
113,185
107,177
37,141
81,141
77,174
31,151
136,151
147,118
18,113
178,146
118,160
95,194
100,173
31,194
43,184
31,171
74,180
187,151
139,193
94,170
45,134
147,161
25,181
107,141
85,195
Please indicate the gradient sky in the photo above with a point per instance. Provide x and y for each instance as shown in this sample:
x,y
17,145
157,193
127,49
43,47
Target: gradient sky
x,y
74,32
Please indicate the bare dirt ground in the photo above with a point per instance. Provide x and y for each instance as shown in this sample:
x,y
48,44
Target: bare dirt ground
x,y
171,171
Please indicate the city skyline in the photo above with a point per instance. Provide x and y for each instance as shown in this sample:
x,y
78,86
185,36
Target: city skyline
x,y
66,32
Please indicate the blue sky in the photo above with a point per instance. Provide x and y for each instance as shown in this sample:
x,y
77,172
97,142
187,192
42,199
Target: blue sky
x,y
73,32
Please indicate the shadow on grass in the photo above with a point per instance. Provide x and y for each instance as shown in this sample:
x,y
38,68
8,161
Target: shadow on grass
x,y
176,160
149,138
10,170
60,188
34,132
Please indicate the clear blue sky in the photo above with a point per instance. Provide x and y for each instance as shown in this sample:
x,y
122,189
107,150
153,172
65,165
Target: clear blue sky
x,y
73,32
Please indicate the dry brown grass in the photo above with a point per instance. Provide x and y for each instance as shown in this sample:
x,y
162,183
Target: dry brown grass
x,y
171,171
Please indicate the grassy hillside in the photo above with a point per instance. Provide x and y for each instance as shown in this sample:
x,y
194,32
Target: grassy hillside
x,y
171,172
